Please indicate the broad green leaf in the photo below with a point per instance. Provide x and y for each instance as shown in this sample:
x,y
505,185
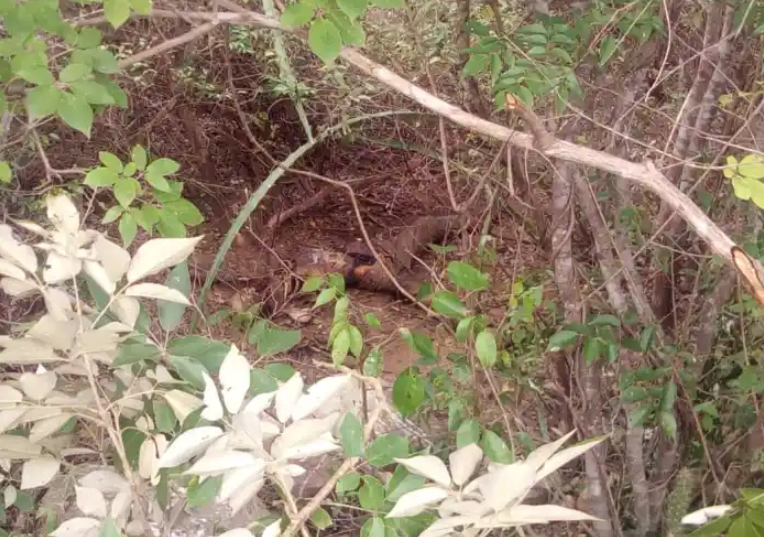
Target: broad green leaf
x,y
171,313
89,38
525,95
371,495
340,347
485,346
119,96
402,482
607,48
669,396
163,167
496,449
135,352
466,276
751,166
190,370
324,40
408,393
713,528
43,100
352,8
562,55
298,13
325,296
638,416
275,340
128,229
562,340
104,61
93,92
116,11
139,157
356,341
111,161
76,112
477,28
282,372
112,214
668,422
260,381
208,352
348,483
633,394
202,493
374,527
125,190
351,435
351,30
109,528
321,519
372,365
74,72
164,417
185,211
388,4
311,284
468,433
373,321
476,65
101,177
606,319
36,74
169,226
385,448
419,342
448,304
464,329
142,7
5,172
592,349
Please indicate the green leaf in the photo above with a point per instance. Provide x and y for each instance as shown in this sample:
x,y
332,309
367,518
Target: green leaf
x,y
373,321
647,338
185,211
606,319
477,28
24,502
448,304
408,393
348,483
633,394
385,448
93,92
312,284
351,435
5,172
208,352
112,214
89,38
324,40
340,347
388,4
713,528
669,397
592,349
325,296
468,433
372,365
374,527
352,8
139,157
321,519
282,372
371,496
73,72
116,11
562,55
76,112
607,48
496,449
561,340
356,341
189,369
275,340
111,161
125,190
202,493
128,229
142,7
351,30
464,329
135,352
164,417
163,167
402,482
260,381
525,95
36,74
101,177
169,225
104,61
298,13
668,422
475,65
171,313
466,276
43,100
485,346
419,342
109,528
638,416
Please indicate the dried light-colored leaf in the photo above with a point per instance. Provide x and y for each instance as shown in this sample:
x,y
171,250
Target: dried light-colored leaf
x,y
312,449
158,292
507,484
9,396
126,309
78,527
287,396
107,481
219,463
540,455
417,501
9,269
114,259
37,386
213,409
303,432
463,463
59,268
565,456
16,252
48,426
45,412
428,466
120,506
259,403
238,532
319,394
533,514
9,496
63,214
27,351
234,379
182,403
10,418
17,447
445,526
38,472
158,254
58,334
99,275
147,458
238,479
245,495
705,515
188,445
58,303
17,288
273,529
90,501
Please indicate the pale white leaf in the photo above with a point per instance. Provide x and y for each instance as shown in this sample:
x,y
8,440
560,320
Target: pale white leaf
x,y
77,527
157,291
27,351
566,455
303,431
17,447
428,466
114,259
107,481
247,433
63,214
238,532
294,470
18,288
245,495
534,514
705,515
319,394
259,403
43,413
38,472
540,455
187,445
58,334
454,506
9,269
182,403
126,309
238,479
273,530
445,526
10,418
12,250
90,501
96,341
234,379
213,410
48,426
59,268
120,506
9,396
218,463
287,396
99,275
9,496
58,303
312,449
158,254
463,463
34,228
507,484
414,502
37,386
147,458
